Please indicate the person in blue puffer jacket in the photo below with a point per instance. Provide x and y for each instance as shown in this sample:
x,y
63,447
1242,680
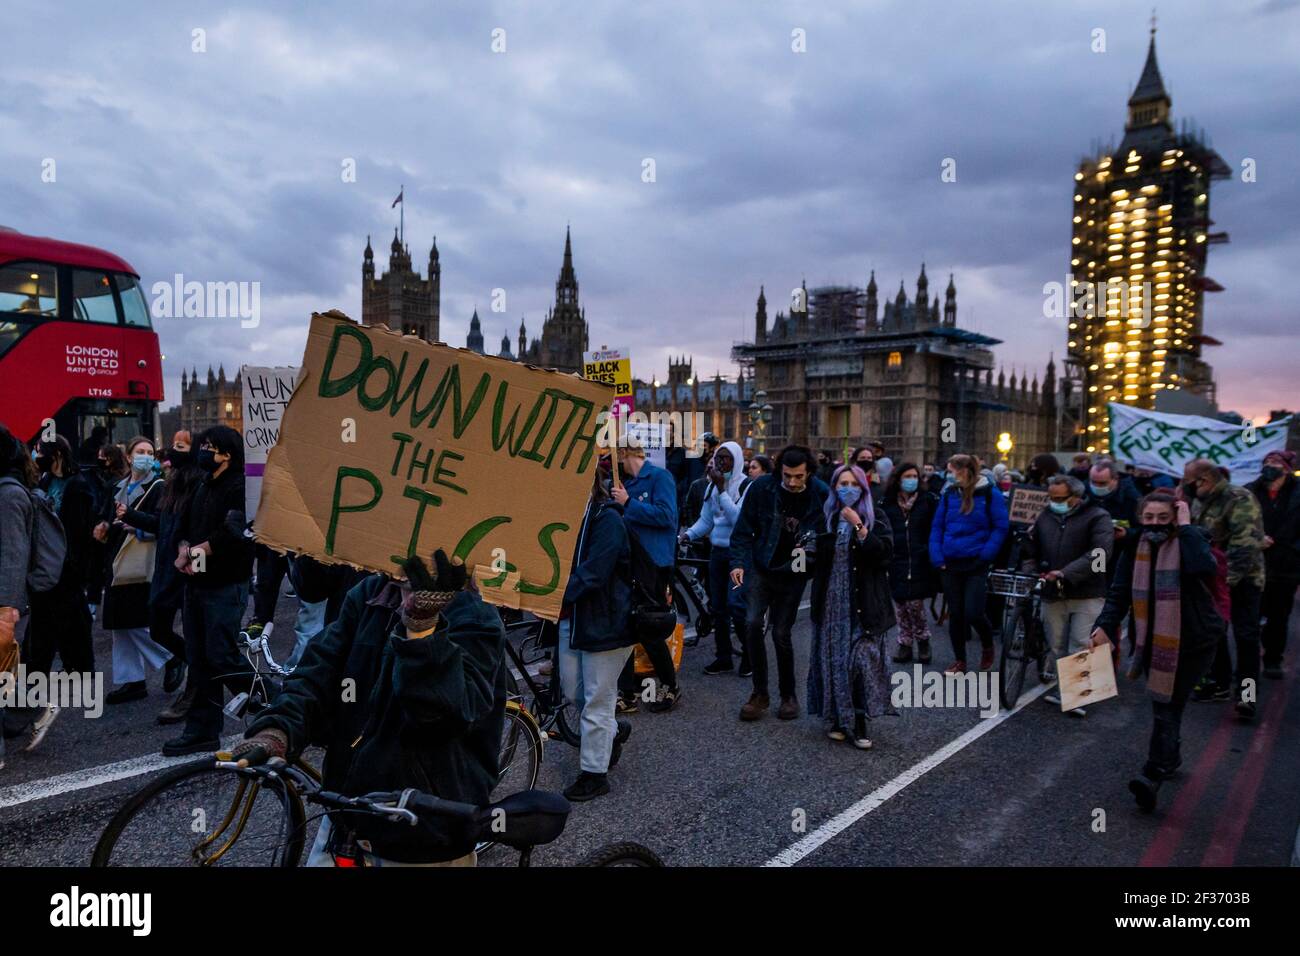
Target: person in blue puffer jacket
x,y
970,524
718,516
648,497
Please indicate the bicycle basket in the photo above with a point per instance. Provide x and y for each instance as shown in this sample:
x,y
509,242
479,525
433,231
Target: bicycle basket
x,y
1010,584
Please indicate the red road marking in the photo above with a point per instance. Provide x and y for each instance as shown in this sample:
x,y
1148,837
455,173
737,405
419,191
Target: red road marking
x,y
1170,835
1244,792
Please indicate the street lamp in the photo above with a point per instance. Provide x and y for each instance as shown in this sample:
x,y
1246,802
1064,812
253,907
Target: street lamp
x,y
1005,444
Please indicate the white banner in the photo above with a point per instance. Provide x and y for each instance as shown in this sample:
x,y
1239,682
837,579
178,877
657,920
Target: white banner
x,y
651,437
1165,443
266,393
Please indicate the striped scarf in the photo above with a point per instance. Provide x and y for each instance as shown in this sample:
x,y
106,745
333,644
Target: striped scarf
x,y
1168,617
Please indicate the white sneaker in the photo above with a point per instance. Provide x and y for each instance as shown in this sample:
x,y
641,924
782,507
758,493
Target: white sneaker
x,y
837,734
862,743
41,727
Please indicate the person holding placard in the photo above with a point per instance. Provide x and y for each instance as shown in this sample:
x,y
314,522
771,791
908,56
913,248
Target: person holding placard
x,y
426,657
596,638
1166,580
649,501
1070,545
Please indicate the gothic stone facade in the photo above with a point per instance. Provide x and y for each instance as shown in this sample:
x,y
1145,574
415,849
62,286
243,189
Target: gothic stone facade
x,y
838,372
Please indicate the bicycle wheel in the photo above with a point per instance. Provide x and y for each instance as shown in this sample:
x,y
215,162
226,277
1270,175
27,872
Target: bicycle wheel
x,y
521,752
1014,662
198,815
622,854
521,758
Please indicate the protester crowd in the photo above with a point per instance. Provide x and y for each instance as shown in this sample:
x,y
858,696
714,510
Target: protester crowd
x,y
1192,582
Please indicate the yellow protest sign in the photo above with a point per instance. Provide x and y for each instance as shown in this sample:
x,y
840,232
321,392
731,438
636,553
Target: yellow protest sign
x,y
392,446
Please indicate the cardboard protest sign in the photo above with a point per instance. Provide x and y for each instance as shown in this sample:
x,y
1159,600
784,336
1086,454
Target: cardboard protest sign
x,y
391,446
1026,503
612,367
1086,677
1166,443
266,395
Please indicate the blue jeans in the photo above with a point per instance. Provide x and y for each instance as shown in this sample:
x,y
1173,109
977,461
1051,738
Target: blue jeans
x,y
590,680
310,622
212,616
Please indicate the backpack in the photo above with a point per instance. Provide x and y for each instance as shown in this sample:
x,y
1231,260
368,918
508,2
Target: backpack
x,y
49,544
651,615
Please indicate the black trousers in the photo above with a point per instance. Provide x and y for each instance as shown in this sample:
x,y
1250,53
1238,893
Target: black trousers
x,y
965,589
728,615
776,594
658,652
1246,598
1279,600
60,624
271,569
161,630
212,618
1164,755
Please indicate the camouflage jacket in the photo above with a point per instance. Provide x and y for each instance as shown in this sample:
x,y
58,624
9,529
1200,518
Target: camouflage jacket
x,y
1231,514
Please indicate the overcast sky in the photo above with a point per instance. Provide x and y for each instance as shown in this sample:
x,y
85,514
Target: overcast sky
x,y
770,165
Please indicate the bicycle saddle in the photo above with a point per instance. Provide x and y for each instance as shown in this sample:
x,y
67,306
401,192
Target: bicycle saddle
x,y
525,819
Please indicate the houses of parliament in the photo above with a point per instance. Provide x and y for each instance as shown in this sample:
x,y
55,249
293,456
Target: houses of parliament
x,y
402,300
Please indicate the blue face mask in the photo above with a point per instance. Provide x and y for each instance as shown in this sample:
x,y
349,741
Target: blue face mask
x,y
1099,491
848,494
727,475
1059,507
909,484
142,463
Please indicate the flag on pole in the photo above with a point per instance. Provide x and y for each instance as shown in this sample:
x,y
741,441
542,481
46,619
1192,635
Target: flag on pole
x,y
398,199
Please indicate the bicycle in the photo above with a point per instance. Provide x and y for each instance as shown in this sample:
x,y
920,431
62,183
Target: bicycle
x,y
521,821
520,759
1023,636
689,593
544,703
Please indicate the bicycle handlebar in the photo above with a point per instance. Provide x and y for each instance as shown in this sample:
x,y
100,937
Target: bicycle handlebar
x,y
398,805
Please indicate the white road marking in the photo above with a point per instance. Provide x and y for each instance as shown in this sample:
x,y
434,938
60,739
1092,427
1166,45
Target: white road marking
x,y
872,801
91,777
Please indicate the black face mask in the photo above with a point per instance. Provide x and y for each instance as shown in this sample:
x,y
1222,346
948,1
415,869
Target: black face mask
x,y
43,464
1157,534
207,460
867,465
1272,473
180,459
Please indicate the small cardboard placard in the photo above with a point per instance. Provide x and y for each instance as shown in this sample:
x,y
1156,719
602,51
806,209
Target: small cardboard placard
x,y
1086,677
1026,503
392,446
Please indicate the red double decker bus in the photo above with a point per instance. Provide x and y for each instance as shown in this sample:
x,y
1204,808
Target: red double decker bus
x,y
76,344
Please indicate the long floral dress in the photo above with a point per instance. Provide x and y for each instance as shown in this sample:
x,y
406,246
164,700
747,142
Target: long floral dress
x,y
847,674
